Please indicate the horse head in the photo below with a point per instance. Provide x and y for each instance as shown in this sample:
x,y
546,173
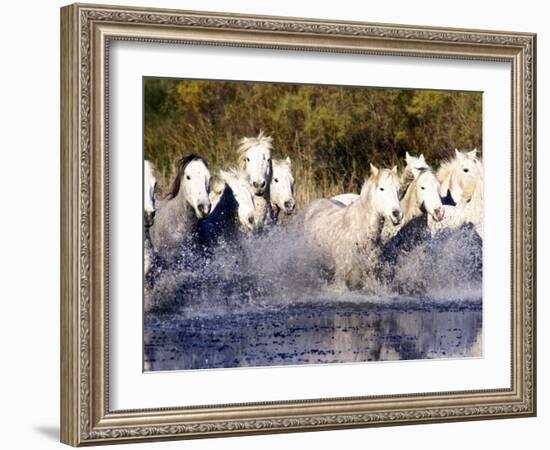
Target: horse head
x,y
460,174
426,194
193,183
283,185
383,194
255,161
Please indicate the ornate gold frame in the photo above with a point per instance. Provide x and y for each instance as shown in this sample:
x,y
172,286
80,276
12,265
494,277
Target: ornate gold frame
x,y
86,31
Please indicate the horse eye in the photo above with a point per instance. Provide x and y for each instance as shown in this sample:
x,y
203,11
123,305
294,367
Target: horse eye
x,y
466,170
422,187
381,188
188,177
247,159
276,180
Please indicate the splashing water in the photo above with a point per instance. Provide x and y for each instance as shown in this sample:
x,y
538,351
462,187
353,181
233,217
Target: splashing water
x,y
263,300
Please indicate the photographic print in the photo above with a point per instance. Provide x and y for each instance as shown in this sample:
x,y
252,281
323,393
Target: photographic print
x,y
313,197
290,224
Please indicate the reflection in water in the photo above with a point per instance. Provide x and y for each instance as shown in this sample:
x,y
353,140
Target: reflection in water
x,y
312,334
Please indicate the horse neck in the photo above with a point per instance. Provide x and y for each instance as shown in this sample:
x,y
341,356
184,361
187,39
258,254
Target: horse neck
x,y
474,192
228,203
181,209
409,204
472,204
360,212
406,177
263,205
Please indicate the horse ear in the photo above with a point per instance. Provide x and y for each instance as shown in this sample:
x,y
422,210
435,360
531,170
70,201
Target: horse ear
x,y
407,157
373,169
472,154
288,161
421,157
459,155
394,169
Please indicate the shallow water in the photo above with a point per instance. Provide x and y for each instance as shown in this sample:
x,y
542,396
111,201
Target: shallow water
x,y
262,301
343,332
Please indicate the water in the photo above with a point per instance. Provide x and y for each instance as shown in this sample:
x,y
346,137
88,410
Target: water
x,y
263,303
313,334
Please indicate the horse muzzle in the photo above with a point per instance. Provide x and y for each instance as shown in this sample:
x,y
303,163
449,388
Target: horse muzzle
x,y
439,214
203,209
396,216
149,219
259,187
289,206
248,223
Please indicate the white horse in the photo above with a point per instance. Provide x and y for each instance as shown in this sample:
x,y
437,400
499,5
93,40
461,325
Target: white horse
x,y
233,207
419,197
462,179
185,204
255,162
149,209
347,238
411,171
282,187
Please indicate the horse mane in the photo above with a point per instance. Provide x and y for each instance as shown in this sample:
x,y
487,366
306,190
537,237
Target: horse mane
x,y
182,165
446,169
474,196
446,166
385,173
374,179
407,177
283,163
410,179
247,143
280,162
232,173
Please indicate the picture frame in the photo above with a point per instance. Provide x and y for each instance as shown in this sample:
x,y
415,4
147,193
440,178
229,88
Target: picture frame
x,y
87,32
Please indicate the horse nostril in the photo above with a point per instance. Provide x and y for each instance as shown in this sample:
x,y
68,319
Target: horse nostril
x,y
263,184
204,209
396,213
288,204
250,220
255,184
153,214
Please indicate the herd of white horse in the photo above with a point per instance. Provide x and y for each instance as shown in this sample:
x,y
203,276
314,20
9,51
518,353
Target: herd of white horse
x,y
346,232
